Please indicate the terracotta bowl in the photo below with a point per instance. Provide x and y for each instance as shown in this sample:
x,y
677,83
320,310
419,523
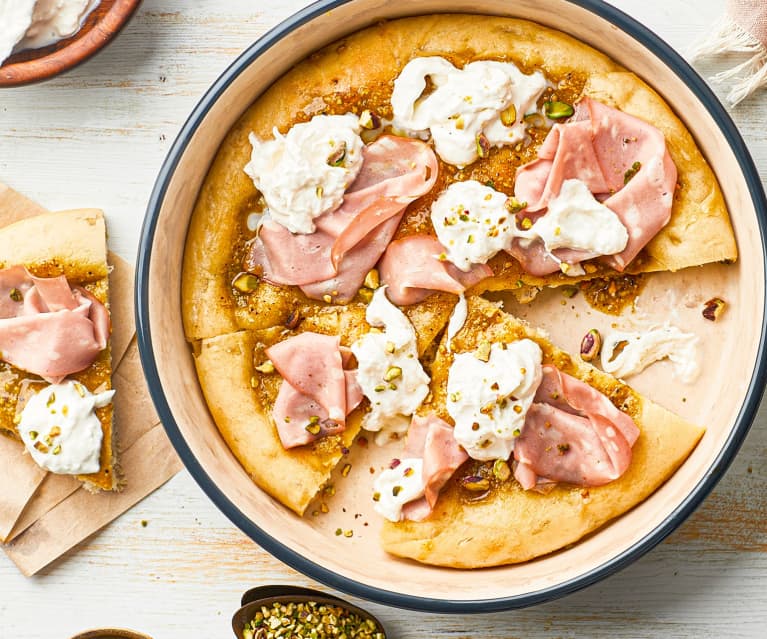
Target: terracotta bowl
x,y
35,65
725,398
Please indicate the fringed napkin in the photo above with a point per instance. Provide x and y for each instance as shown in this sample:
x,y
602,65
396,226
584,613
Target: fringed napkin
x,y
743,29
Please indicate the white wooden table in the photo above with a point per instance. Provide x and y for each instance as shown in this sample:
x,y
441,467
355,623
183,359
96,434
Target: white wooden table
x,y
97,137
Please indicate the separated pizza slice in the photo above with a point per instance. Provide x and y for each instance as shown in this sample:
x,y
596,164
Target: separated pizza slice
x,y
55,357
290,400
545,449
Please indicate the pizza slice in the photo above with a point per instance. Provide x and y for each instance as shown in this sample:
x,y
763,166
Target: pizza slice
x,y
55,357
559,450
288,400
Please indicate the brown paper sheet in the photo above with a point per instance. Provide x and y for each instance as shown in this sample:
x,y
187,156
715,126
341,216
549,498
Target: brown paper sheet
x,y
46,515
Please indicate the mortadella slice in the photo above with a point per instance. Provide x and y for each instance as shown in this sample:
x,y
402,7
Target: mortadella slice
x,y
412,270
573,434
47,327
625,164
317,389
350,240
431,439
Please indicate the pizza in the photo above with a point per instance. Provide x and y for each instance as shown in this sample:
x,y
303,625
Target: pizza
x,y
54,344
344,239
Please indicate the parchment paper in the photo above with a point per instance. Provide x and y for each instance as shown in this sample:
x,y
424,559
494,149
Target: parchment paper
x,y
43,515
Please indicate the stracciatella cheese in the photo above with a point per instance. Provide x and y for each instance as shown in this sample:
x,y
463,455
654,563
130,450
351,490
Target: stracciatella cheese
x,y
389,372
61,430
473,223
489,392
485,98
306,172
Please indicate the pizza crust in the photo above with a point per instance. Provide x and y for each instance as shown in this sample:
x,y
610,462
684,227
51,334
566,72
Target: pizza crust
x,y
512,525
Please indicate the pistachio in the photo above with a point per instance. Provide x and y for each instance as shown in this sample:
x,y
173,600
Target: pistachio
x,y
51,400
336,158
346,470
16,295
327,298
509,116
714,308
393,373
557,110
294,319
631,172
535,119
380,388
372,280
475,483
501,470
514,206
390,347
57,450
245,282
569,291
483,351
33,434
369,120
319,191
55,432
267,367
80,389
366,295
483,145
591,344
313,429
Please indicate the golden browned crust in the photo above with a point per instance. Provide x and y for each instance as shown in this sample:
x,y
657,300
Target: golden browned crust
x,y
512,525
73,244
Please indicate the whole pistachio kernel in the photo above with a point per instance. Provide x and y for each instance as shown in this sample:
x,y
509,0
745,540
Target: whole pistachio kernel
x,y
591,345
713,309
557,110
245,282
475,484
509,115
483,145
501,470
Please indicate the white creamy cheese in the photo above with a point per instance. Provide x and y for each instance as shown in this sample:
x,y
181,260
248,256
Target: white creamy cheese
x,y
60,428
457,319
576,220
31,24
489,400
627,353
464,104
389,372
306,172
472,223
15,18
395,487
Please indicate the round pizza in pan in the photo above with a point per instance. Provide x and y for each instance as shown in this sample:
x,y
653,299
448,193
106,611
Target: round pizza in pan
x,y
349,238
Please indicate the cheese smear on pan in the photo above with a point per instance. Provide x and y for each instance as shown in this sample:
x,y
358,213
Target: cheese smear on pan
x,y
397,486
485,98
306,172
61,430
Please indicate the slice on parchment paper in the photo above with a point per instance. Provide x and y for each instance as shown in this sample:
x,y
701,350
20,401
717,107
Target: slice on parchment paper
x,y
72,244
512,525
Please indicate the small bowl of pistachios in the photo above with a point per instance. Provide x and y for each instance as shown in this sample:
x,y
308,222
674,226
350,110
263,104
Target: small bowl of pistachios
x,y
269,612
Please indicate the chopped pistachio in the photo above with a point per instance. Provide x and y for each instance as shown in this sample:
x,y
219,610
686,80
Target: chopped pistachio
x,y
630,173
245,282
327,298
57,450
267,367
558,110
336,158
346,470
16,295
372,280
514,206
51,399
390,347
509,115
714,308
33,434
55,431
393,373
483,351
569,291
366,295
501,470
369,120
380,388
313,429
483,145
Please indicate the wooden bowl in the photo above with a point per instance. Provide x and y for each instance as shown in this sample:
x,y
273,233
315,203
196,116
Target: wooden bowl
x,y
111,633
255,598
101,26
725,399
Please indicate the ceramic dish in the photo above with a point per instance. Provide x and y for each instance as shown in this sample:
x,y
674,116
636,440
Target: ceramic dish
x,y
725,398
101,26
